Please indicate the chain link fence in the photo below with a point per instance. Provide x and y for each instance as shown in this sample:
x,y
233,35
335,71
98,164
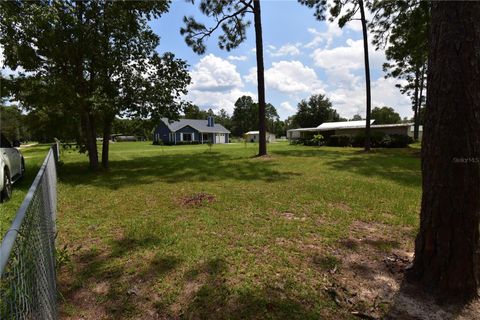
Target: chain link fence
x,y
27,253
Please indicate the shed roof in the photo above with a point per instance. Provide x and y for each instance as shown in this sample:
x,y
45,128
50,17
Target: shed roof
x,y
357,124
343,125
199,125
254,132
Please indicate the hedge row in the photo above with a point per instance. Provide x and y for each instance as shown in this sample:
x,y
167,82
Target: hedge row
x,y
377,140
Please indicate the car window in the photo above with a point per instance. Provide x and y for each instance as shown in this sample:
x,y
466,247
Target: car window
x,y
4,143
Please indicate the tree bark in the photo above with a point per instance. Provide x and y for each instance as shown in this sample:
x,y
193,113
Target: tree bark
x,y
447,248
88,120
416,104
422,85
367,75
107,131
88,126
262,147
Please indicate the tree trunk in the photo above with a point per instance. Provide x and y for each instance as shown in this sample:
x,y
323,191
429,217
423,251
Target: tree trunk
x,y
422,84
262,147
107,131
447,248
416,104
87,118
90,139
367,75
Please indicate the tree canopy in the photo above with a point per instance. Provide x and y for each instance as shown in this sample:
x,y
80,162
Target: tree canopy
x,y
385,115
245,116
103,63
403,25
315,111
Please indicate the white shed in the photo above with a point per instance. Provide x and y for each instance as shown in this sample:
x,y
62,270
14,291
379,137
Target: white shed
x,y
254,136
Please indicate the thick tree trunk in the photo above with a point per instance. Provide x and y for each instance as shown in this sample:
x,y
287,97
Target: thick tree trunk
x,y
416,104
367,76
88,123
262,147
107,131
447,248
90,139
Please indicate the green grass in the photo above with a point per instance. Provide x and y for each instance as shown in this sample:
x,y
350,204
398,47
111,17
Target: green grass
x,y
34,157
259,250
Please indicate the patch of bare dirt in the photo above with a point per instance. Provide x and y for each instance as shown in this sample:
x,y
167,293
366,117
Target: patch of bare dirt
x,y
340,206
266,157
372,261
365,276
197,200
291,216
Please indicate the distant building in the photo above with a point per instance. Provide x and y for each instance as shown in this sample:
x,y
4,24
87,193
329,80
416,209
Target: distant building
x,y
254,136
349,128
190,131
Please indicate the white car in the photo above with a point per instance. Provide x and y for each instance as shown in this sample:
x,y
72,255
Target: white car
x,y
12,167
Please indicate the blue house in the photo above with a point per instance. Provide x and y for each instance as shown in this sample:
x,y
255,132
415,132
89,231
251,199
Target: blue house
x,y
189,130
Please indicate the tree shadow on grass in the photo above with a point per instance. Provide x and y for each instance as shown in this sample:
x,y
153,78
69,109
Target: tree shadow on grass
x,y
207,296
101,284
398,165
173,169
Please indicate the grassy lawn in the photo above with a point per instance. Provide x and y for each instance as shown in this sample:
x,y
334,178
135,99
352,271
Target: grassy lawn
x,y
34,156
181,232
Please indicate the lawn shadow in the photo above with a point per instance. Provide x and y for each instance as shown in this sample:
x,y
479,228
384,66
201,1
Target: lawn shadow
x,y
207,295
102,281
399,165
173,169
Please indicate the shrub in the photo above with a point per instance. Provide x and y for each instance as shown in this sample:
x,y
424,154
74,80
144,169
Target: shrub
x,y
318,139
398,141
341,140
382,140
297,141
376,139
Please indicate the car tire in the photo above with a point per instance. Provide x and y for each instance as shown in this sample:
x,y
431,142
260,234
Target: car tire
x,y
6,193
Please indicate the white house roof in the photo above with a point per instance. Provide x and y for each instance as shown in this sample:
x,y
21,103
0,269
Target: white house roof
x,y
254,132
343,125
360,124
199,125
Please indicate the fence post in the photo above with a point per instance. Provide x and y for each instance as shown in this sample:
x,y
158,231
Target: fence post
x,y
56,151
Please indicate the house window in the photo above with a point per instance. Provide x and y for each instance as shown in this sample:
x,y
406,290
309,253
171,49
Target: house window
x,y
187,137
205,137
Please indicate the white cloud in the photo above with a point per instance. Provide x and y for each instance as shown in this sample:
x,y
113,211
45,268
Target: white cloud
x,y
287,107
343,64
237,58
325,37
351,101
215,74
290,77
216,84
285,50
218,100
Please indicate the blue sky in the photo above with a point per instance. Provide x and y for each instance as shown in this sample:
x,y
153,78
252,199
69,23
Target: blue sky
x,y
302,57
